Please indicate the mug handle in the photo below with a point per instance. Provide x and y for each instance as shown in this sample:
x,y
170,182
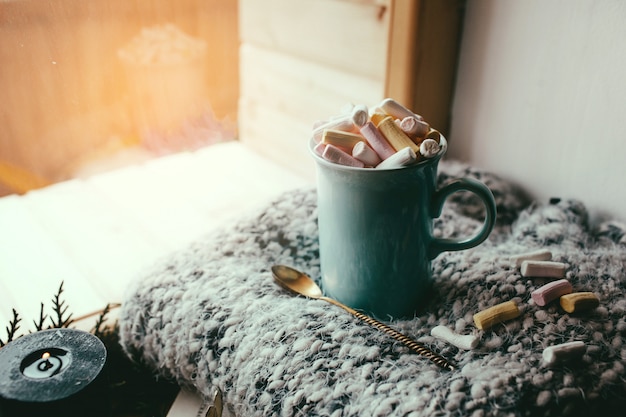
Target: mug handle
x,y
439,245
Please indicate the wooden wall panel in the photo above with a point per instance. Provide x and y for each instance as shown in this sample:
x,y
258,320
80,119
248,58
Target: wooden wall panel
x,y
348,35
276,136
303,61
283,95
302,89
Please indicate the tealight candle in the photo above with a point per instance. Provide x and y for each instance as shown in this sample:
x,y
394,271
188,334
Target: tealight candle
x,y
46,363
56,372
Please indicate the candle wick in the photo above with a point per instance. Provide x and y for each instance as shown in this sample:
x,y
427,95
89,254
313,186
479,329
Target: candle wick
x,y
45,365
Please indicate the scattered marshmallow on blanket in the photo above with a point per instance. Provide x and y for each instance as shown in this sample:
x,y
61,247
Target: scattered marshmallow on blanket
x,y
551,291
565,351
499,313
543,269
466,342
538,255
579,301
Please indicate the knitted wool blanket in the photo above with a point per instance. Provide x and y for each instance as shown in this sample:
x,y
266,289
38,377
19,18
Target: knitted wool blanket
x,y
211,316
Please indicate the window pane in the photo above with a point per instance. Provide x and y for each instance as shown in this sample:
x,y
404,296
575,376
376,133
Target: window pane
x,y
91,84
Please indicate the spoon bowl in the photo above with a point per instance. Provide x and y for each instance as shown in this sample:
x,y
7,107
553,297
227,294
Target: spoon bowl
x,y
295,281
299,283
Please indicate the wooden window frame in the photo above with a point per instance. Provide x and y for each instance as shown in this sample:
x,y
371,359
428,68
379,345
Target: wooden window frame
x,y
424,43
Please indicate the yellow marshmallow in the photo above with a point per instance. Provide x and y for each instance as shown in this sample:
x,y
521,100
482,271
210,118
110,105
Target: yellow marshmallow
x,y
487,318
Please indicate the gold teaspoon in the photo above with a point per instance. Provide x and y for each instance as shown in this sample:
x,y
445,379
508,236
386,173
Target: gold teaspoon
x,y
299,283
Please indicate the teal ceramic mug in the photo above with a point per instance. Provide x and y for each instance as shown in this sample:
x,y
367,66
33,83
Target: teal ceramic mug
x,y
376,232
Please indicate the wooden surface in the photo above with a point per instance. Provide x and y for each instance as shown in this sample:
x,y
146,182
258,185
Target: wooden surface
x,y
97,234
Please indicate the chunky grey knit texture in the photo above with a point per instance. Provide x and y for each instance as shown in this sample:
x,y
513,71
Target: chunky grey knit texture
x,y
211,316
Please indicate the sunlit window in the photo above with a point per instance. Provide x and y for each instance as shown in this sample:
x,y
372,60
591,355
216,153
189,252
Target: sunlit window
x,y
88,86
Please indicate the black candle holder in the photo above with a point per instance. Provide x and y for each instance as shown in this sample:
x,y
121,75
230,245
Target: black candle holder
x,y
56,372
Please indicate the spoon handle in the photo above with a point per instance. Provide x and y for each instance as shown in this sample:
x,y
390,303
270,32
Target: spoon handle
x,y
416,347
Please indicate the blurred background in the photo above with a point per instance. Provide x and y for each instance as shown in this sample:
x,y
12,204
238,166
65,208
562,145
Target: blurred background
x,y
90,85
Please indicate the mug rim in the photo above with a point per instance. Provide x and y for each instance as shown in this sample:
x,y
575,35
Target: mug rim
x,y
443,142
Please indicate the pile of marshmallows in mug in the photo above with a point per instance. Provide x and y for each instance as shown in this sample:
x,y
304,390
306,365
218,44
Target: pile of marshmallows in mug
x,y
388,136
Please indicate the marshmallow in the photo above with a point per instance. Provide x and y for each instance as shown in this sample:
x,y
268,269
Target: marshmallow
x,y
499,313
466,342
319,148
396,137
365,154
564,351
538,255
400,159
344,140
429,148
551,291
334,154
377,141
359,115
414,127
434,135
579,301
343,123
395,109
378,115
543,269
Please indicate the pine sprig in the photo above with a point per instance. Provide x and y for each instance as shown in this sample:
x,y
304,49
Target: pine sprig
x,y
12,328
60,308
60,318
42,318
98,329
133,390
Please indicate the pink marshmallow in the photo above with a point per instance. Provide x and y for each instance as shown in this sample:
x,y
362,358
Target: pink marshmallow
x,y
551,291
319,148
365,154
414,127
377,141
334,154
